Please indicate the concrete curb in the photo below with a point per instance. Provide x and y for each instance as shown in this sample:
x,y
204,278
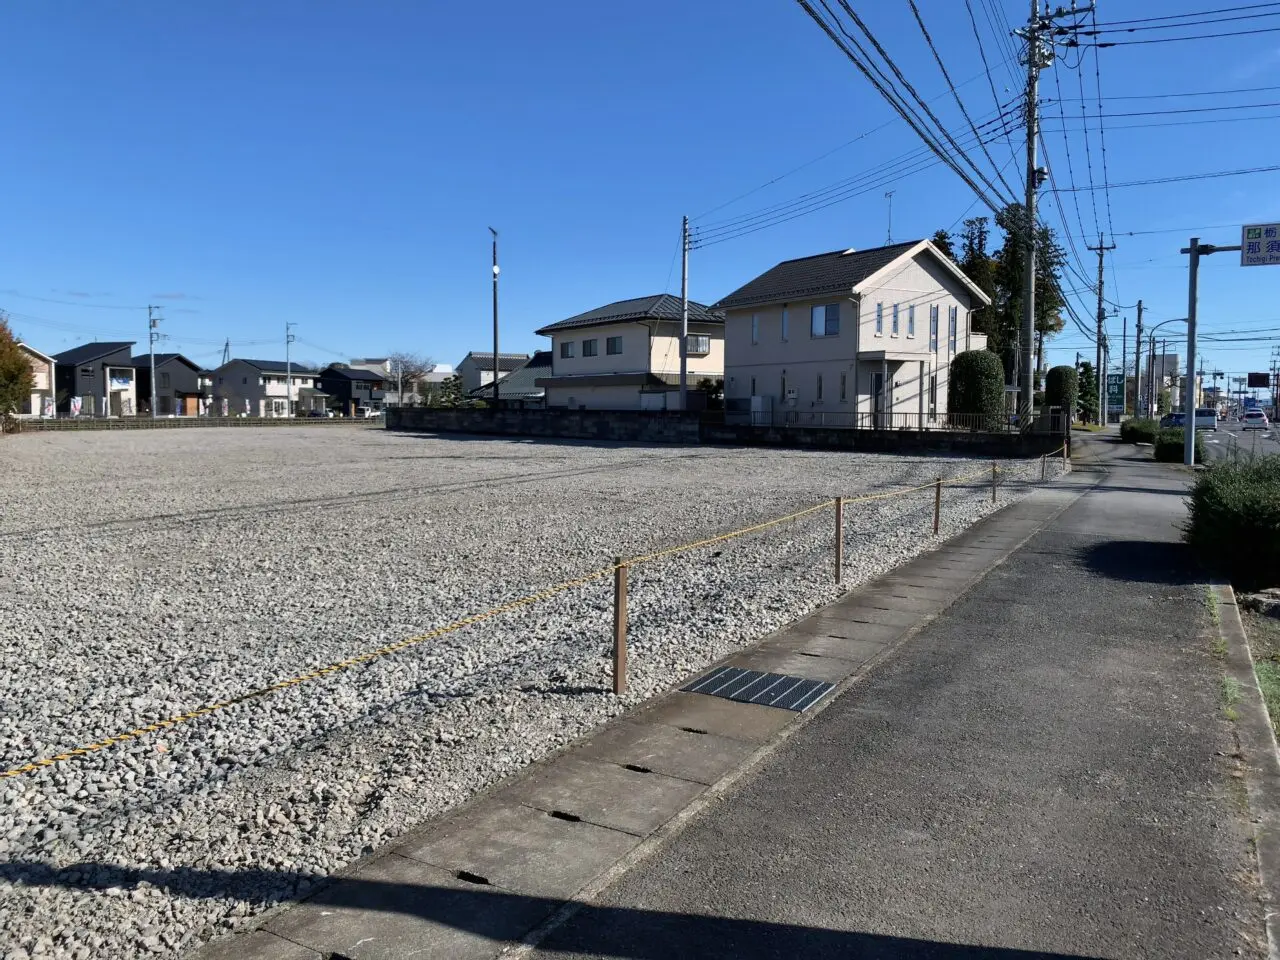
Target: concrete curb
x,y
1261,759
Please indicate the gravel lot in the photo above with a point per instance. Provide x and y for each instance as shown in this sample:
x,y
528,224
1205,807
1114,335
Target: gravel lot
x,y
143,574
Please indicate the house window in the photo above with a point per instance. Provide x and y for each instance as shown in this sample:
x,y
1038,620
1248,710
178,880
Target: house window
x,y
952,313
826,320
589,348
164,379
613,346
244,379
699,344
819,395
933,395
894,329
879,319
220,381
911,320
844,393
784,386
933,328
86,373
785,324
753,386
566,350
755,328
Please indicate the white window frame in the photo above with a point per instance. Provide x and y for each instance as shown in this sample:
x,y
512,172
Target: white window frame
x,y
591,347
609,344
911,320
933,328
567,349
826,321
879,320
755,328
894,325
786,323
953,322
698,344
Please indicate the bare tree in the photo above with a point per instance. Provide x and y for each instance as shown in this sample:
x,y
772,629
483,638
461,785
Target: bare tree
x,y
406,370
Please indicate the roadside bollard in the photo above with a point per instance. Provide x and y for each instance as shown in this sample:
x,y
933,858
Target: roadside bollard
x,y
619,626
937,505
839,538
993,482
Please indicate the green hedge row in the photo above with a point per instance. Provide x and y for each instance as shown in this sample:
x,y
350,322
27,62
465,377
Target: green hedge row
x,y
1171,443
1139,431
1235,521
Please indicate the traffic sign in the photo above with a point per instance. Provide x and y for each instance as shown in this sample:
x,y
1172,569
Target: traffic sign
x,y
1260,245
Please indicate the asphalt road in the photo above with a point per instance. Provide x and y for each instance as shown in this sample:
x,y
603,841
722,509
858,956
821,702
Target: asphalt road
x,y
1230,439
1043,772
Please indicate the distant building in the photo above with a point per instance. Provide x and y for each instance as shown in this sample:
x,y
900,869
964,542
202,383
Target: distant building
x,y
520,387
352,389
476,369
101,375
259,388
42,379
626,355
183,388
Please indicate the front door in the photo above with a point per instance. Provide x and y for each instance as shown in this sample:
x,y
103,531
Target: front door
x,y
882,400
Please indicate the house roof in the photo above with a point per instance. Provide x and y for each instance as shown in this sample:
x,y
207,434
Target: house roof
x,y
661,306
33,351
506,361
144,360
277,366
352,373
520,384
87,352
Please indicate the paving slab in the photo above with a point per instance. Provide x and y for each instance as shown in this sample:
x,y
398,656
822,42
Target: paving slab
x,y
607,794
257,944
796,663
522,849
397,908
668,750
831,625
725,718
864,613
843,648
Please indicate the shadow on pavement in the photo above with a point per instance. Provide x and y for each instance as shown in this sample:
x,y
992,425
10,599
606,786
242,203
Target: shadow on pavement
x,y
624,933
1142,561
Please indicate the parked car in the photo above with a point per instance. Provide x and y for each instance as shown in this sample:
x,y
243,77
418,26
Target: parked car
x,y
1173,420
320,413
1207,419
367,413
1254,420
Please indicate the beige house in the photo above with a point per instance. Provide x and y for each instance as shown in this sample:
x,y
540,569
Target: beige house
x,y
42,379
849,338
626,355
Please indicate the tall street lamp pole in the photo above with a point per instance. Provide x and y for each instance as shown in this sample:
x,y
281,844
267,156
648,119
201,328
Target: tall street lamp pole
x,y
495,316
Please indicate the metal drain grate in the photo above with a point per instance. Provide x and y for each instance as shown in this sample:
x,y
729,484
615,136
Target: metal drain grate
x,y
767,689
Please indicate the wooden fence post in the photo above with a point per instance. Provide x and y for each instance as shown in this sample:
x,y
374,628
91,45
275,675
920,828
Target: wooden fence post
x,y
839,538
937,505
619,626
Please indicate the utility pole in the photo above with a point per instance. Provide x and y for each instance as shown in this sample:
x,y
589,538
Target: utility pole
x,y
1101,250
1196,250
1124,360
153,334
495,316
684,314
1137,366
226,352
889,235
288,369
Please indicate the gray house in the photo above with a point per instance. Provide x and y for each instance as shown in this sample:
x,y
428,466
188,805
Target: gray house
x,y
476,369
182,387
260,388
97,379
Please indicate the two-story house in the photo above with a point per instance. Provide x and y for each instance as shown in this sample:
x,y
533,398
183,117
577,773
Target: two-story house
x,y
849,338
520,386
352,389
260,388
476,369
97,379
183,389
42,380
626,355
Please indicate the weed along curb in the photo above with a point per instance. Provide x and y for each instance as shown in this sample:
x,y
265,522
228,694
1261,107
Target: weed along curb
x,y
1244,707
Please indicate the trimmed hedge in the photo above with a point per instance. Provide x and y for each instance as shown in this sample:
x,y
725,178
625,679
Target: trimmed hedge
x,y
1062,389
1141,430
975,389
1170,445
1235,521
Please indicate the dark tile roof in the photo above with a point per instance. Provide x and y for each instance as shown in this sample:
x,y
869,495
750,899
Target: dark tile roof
x,y
661,306
88,352
506,361
279,366
520,383
836,272
352,373
143,360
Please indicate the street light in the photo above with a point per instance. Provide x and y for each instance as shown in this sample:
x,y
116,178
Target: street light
x,y
1151,391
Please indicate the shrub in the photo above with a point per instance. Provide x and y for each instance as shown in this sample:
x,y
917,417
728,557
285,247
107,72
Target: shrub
x,y
1170,445
1062,388
1235,521
15,373
975,389
1139,431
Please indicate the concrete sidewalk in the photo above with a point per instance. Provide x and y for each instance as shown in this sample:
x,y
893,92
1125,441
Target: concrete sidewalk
x,y
1026,756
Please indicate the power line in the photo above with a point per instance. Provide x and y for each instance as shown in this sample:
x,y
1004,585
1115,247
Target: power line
x,y
1201,36
1200,13
1102,137
1190,123
986,67
1173,26
1184,93
1088,150
1189,176
1071,174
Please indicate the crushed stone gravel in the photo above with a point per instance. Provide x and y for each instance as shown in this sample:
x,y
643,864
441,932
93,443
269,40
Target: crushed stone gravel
x,y
144,574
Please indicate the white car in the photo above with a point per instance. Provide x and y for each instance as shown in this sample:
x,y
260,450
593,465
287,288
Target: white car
x,y
1207,419
1254,420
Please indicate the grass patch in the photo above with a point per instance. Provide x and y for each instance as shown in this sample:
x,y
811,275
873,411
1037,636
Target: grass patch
x,y
1268,672
1230,697
1087,427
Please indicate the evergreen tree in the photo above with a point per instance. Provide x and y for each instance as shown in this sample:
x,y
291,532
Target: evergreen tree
x,y
1088,396
16,382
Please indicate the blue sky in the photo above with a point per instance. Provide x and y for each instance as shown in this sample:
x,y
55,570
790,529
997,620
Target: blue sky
x,y
243,164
